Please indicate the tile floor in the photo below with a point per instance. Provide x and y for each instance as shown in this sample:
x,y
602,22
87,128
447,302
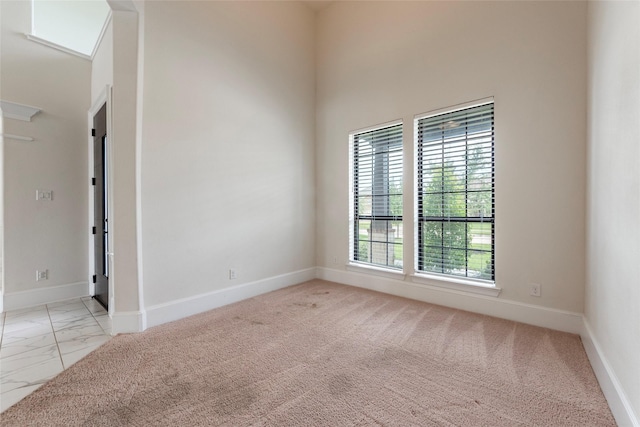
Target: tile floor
x,y
38,343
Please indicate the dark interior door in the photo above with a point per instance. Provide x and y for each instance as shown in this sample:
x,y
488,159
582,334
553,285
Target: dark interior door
x,y
101,229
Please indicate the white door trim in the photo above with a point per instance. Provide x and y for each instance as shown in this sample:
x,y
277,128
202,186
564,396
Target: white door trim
x,y
104,97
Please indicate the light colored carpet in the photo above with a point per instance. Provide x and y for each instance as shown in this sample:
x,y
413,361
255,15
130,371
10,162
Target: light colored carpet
x,y
323,354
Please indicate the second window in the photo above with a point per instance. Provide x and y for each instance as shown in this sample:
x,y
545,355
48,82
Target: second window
x,y
455,193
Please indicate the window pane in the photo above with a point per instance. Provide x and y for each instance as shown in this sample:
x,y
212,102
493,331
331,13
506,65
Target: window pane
x,y
364,205
480,265
479,204
431,246
431,205
454,236
455,262
395,203
395,237
364,252
480,235
364,229
455,192
377,196
454,205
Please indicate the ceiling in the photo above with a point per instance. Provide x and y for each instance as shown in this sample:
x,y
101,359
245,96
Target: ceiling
x,y
73,25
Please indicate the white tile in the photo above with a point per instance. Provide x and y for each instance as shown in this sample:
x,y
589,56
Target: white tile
x,y
83,342
102,316
77,319
34,374
77,332
25,334
104,321
67,308
27,344
27,337
26,311
17,318
76,322
72,357
16,325
65,303
29,358
95,307
12,397
71,314
13,317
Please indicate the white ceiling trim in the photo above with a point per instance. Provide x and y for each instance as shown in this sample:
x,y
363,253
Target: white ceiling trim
x,y
57,46
101,36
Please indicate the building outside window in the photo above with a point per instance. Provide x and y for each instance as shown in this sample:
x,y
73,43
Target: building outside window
x,y
376,196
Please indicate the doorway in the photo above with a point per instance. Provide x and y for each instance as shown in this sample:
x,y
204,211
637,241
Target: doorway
x,y
101,208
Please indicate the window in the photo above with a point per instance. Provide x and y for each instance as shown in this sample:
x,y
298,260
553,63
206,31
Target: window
x,y
376,196
455,192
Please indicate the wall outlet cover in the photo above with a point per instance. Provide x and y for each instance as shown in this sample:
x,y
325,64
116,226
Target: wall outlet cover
x,y
42,275
44,195
535,290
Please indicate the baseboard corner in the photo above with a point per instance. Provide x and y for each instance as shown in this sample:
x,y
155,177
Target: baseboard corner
x,y
125,322
608,380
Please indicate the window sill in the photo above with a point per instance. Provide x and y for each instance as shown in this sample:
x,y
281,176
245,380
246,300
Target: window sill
x,y
457,284
363,268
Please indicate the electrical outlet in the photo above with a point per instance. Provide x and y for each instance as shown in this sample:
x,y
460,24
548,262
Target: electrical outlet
x,y
44,195
232,274
535,290
42,275
335,259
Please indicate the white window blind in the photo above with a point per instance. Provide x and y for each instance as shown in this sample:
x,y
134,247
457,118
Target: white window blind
x,y
455,193
376,199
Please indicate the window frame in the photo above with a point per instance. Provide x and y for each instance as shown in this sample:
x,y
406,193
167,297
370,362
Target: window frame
x,y
454,281
354,263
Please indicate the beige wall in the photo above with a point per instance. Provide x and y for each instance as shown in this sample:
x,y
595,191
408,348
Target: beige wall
x,y
381,61
43,235
227,145
613,288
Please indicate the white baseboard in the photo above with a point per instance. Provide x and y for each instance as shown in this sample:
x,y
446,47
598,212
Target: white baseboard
x,y
33,297
125,322
618,402
526,313
174,310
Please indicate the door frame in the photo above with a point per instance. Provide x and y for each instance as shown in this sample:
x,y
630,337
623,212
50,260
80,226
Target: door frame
x,y
104,97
